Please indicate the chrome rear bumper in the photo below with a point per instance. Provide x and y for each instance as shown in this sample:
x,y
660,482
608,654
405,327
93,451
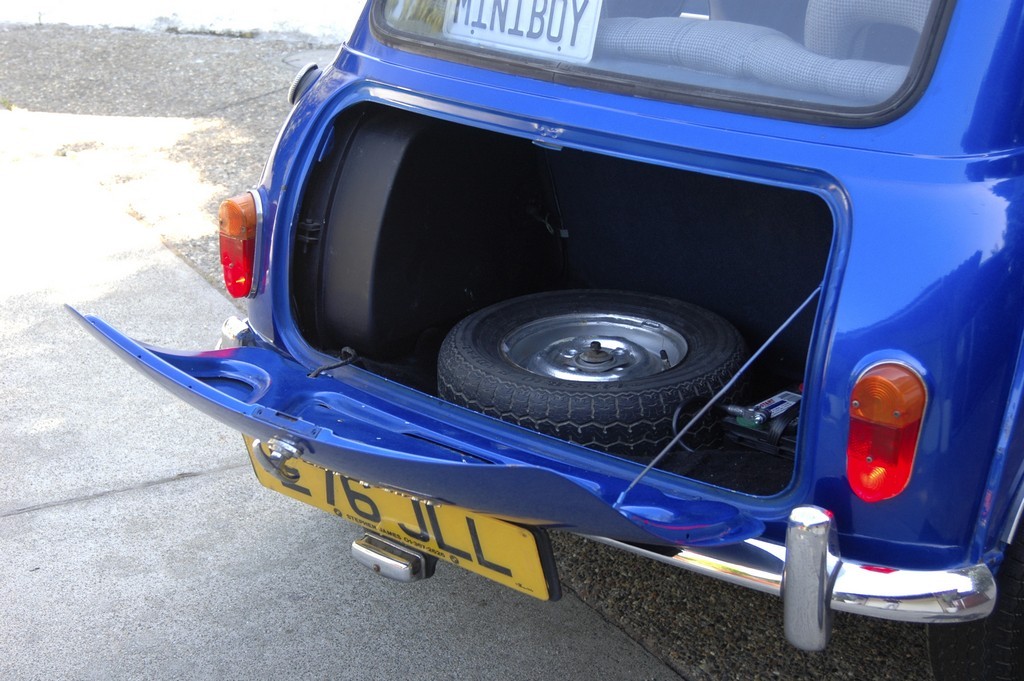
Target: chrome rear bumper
x,y
812,579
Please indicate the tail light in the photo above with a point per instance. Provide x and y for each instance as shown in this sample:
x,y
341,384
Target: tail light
x,y
886,408
238,220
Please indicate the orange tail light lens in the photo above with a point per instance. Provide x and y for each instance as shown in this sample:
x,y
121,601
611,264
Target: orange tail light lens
x,y
886,409
238,220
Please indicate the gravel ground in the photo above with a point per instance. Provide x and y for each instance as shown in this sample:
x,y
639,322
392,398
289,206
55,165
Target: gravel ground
x,y
234,90
706,629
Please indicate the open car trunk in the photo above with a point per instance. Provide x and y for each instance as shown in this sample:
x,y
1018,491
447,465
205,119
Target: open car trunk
x,y
409,224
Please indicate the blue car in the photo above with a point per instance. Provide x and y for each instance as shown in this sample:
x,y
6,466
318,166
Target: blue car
x,y
735,285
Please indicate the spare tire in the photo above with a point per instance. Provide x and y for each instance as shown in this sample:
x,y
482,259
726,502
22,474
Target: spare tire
x,y
604,369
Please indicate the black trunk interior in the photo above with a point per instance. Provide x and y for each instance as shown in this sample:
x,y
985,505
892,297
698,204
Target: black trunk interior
x,y
409,223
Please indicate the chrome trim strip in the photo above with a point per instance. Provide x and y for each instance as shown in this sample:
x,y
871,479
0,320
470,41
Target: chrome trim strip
x,y
257,259
932,596
1018,502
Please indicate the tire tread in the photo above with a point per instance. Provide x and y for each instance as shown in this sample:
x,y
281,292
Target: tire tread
x,y
609,417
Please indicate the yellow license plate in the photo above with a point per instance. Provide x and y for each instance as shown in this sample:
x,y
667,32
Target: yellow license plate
x,y
515,556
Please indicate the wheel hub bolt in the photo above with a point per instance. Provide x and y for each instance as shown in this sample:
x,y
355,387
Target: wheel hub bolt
x,y
595,354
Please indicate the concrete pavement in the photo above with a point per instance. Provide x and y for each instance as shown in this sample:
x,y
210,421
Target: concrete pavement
x,y
136,541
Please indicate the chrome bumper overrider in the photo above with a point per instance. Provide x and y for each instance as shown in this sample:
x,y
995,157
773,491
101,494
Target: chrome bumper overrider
x,y
812,579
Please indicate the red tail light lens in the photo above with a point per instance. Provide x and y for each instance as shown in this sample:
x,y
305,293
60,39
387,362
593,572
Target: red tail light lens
x,y
238,220
886,408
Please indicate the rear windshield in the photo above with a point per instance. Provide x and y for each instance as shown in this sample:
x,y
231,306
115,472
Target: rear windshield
x,y
839,56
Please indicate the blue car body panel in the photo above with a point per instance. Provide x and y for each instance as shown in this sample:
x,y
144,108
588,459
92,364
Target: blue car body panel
x,y
926,268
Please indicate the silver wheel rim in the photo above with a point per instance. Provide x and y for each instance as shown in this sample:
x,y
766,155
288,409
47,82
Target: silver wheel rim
x,y
594,347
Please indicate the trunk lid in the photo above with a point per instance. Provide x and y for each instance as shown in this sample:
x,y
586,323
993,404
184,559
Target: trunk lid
x,y
337,425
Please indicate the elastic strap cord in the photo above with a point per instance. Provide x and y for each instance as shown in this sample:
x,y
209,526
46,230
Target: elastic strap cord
x,y
717,396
